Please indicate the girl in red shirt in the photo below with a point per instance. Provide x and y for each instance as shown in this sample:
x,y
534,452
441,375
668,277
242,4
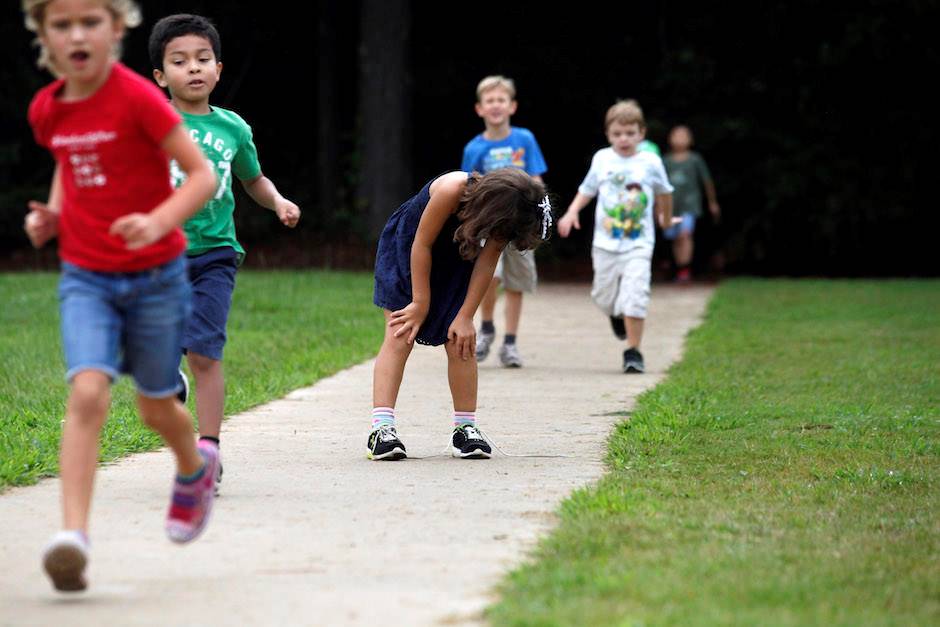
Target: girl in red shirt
x,y
124,294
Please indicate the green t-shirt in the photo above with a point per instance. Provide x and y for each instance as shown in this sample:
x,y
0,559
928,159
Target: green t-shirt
x,y
225,139
687,177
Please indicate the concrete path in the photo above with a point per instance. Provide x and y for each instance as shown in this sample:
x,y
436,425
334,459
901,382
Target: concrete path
x,y
309,532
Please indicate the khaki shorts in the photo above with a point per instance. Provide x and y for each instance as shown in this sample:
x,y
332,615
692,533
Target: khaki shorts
x,y
622,282
516,270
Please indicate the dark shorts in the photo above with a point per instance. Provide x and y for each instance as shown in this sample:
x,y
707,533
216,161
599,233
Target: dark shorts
x,y
212,275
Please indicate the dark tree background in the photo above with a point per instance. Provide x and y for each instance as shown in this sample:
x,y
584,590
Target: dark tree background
x,y
813,117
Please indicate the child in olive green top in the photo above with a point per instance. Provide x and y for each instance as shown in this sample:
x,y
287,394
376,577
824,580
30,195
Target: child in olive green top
x,y
185,51
689,175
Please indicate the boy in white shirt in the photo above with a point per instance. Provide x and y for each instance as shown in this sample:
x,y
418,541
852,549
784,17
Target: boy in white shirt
x,y
627,183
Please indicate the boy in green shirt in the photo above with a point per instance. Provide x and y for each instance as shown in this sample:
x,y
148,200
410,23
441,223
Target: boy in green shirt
x,y
185,51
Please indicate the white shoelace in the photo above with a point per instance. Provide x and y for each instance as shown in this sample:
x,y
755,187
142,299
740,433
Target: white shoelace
x,y
482,435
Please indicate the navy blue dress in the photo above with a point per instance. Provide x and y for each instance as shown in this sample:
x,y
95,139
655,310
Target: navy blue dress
x,y
450,273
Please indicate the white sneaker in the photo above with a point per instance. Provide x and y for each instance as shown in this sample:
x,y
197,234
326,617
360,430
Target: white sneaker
x,y
183,394
64,560
509,356
484,341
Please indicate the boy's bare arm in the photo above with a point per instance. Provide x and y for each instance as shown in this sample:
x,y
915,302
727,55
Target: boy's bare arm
x,y
570,219
262,191
712,199
663,209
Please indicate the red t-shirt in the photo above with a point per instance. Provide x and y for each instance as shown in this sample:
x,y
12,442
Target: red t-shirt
x,y
110,162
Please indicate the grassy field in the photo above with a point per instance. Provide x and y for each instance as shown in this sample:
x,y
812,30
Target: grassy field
x,y
286,330
786,473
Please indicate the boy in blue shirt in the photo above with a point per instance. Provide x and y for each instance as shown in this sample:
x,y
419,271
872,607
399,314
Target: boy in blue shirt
x,y
501,145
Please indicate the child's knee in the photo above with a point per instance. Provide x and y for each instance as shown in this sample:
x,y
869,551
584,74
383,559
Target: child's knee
x,y
90,396
200,363
155,412
398,345
453,353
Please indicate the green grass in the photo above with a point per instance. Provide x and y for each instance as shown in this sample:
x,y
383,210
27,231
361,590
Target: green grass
x,y
286,330
786,473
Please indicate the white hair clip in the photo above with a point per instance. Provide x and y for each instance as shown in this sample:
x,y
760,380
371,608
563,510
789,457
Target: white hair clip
x,y
547,220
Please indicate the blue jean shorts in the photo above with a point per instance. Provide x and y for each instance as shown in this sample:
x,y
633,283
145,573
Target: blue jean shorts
x,y
686,226
212,275
126,322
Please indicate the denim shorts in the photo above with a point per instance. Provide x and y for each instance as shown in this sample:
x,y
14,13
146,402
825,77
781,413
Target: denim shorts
x,y
686,226
212,275
126,322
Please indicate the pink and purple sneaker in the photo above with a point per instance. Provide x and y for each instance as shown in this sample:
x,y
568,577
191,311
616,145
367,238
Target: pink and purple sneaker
x,y
191,503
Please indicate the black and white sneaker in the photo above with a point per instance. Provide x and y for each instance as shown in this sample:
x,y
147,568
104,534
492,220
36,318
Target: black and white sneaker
x,y
384,444
467,442
633,361
183,394
618,327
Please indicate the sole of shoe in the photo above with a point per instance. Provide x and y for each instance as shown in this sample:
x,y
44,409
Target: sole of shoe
x,y
512,365
474,454
65,565
633,369
392,455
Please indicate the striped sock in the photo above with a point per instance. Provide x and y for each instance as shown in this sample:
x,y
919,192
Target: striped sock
x,y
462,418
382,416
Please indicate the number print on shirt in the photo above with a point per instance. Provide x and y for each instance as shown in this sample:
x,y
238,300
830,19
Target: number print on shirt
x,y
178,177
226,168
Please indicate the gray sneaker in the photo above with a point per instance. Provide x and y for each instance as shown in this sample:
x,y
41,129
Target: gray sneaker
x,y
509,356
633,361
484,341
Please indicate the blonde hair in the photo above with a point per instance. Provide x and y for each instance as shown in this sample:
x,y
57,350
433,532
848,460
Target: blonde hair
x,y
127,11
625,112
494,82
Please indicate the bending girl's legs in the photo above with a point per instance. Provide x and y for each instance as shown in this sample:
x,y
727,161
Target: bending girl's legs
x,y
85,413
389,366
462,376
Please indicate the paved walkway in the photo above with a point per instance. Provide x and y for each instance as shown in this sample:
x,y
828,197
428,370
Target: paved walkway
x,y
308,532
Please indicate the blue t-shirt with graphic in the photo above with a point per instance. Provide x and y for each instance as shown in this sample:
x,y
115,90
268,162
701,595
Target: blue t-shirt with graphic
x,y
517,150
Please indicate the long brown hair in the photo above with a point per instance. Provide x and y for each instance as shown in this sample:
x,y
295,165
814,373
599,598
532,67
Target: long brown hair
x,y
505,205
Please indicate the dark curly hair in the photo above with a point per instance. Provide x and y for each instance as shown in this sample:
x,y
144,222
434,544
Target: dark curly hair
x,y
503,205
180,25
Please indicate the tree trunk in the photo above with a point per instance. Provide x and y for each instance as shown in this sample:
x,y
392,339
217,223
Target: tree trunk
x,y
328,150
384,96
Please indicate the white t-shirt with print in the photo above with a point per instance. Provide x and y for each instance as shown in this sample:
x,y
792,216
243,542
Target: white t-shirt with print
x,y
625,188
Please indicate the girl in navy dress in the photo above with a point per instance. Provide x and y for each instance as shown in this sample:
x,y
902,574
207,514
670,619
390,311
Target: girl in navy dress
x,y
435,259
